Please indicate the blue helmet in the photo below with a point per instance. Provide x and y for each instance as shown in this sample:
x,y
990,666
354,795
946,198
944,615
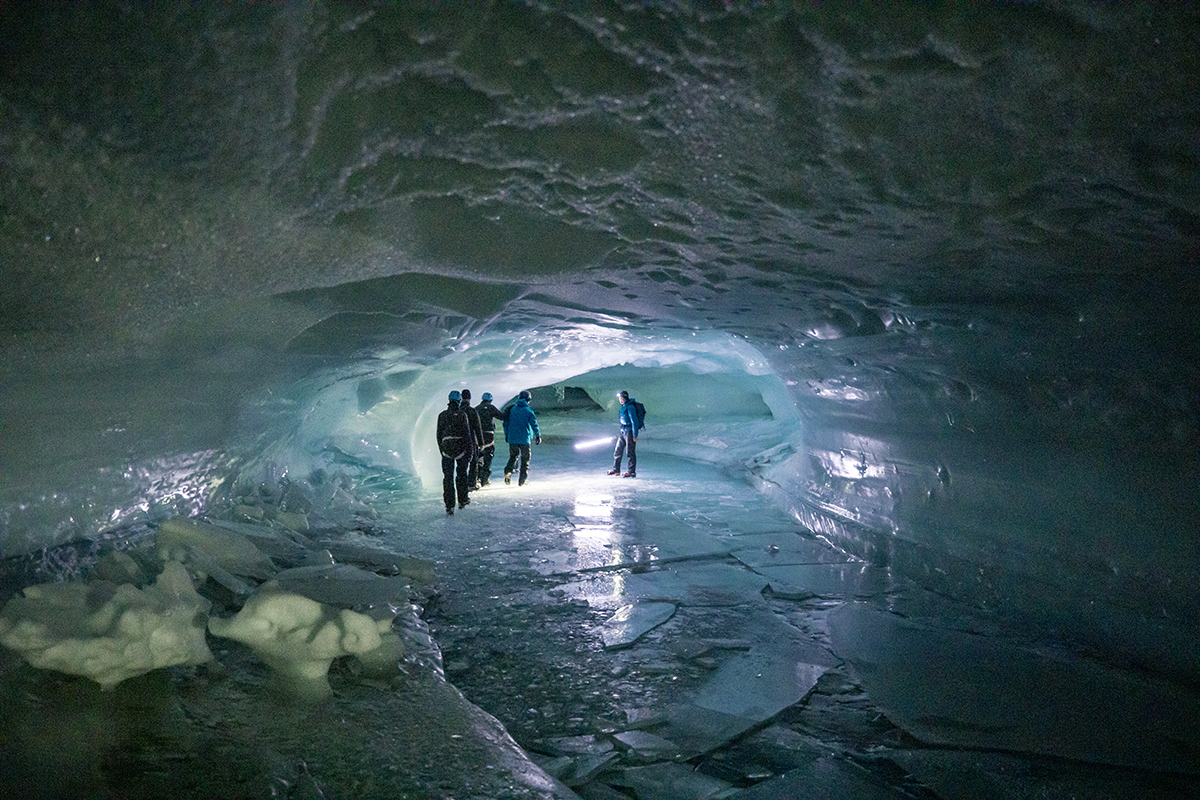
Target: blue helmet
x,y
455,397
487,395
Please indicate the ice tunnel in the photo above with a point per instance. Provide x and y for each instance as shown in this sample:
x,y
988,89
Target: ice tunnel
x,y
914,286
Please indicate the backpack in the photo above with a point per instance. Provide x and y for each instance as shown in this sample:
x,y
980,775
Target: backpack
x,y
640,410
455,445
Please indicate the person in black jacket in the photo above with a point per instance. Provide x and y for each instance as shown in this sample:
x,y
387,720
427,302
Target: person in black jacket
x,y
477,433
488,414
456,443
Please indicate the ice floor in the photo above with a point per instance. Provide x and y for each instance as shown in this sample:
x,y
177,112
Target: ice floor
x,y
673,636
669,637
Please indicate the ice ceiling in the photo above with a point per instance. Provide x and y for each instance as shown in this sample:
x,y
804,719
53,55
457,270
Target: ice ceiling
x,y
926,276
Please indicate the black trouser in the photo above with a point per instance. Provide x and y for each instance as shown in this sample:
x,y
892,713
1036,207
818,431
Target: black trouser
x,y
473,470
451,482
625,439
485,460
515,450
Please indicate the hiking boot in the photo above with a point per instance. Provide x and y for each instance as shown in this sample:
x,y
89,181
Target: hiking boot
x,y
463,504
614,472
450,511
629,475
507,478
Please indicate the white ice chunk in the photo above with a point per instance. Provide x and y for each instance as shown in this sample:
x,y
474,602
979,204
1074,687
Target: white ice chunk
x,y
107,632
953,688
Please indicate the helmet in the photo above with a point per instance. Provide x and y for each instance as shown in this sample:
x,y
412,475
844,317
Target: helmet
x,y
525,395
623,395
455,397
466,394
487,395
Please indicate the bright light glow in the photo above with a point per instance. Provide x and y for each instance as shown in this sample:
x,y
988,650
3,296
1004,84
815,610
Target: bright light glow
x,y
588,445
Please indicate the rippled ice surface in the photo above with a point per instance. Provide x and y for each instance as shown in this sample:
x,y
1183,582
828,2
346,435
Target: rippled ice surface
x,y
670,636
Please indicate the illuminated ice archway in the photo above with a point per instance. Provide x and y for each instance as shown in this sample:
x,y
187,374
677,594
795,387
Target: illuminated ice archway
x,y
711,396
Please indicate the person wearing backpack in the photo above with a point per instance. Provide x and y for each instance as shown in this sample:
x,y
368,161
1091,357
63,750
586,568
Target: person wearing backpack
x,y
456,443
477,430
631,416
520,429
488,414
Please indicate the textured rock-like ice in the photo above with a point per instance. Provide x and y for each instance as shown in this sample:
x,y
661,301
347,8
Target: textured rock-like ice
x,y
107,632
299,638
953,688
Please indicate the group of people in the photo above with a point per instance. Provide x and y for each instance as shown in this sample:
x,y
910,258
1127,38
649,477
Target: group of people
x,y
466,438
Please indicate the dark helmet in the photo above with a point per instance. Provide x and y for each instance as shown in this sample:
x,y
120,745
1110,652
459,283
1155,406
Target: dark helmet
x,y
525,395
623,395
466,394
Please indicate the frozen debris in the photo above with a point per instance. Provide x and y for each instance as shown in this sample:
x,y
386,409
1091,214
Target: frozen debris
x,y
299,638
108,632
210,551
825,777
633,621
952,688
671,781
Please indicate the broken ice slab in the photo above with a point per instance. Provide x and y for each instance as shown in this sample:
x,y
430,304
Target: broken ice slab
x,y
761,683
854,579
672,538
784,549
646,748
953,688
575,745
697,585
827,778
633,621
345,586
749,688
670,781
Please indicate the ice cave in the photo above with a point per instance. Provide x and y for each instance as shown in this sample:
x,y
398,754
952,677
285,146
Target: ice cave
x,y
909,292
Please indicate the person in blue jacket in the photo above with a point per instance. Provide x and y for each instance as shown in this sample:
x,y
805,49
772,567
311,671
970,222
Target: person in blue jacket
x,y
627,437
520,428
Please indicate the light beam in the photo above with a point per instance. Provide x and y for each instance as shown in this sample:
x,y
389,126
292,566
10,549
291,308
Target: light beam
x,y
588,445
